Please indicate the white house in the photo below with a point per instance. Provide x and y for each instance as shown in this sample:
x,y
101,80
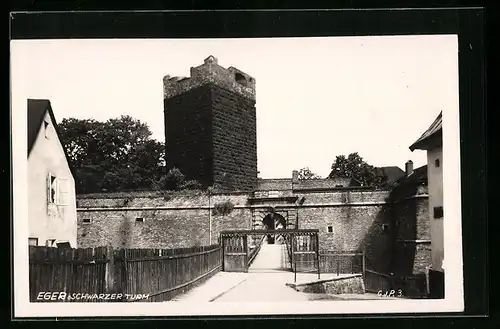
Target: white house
x,y
432,142
51,186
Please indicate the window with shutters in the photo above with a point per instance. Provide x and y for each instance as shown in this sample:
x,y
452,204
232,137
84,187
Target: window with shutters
x,y
62,192
51,189
57,190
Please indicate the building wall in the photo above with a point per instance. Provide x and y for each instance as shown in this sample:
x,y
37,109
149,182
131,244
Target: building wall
x,y
328,183
188,133
391,232
234,140
211,137
210,121
50,221
185,220
356,219
412,253
411,228
435,177
168,222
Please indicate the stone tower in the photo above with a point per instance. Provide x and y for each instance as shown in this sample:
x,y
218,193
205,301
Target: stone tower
x,y
210,126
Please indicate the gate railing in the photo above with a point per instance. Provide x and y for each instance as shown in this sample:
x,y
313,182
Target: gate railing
x,y
289,250
304,258
237,257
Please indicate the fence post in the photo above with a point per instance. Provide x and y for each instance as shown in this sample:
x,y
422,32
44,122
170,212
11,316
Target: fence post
x,y
110,270
123,272
363,255
223,251
245,250
294,257
317,254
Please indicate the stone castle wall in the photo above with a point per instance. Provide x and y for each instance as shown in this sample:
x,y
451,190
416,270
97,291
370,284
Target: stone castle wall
x,y
412,232
168,222
359,220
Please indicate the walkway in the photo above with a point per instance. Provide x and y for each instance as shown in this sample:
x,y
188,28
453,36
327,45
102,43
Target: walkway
x,y
264,287
265,281
252,287
213,288
271,258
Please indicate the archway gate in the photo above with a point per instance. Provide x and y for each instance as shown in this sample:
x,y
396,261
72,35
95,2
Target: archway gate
x,y
240,247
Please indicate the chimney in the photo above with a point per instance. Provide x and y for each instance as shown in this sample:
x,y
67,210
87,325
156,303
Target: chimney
x,y
409,168
295,176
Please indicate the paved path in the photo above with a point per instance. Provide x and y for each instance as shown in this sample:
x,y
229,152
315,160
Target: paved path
x,y
213,287
264,287
265,281
251,287
271,257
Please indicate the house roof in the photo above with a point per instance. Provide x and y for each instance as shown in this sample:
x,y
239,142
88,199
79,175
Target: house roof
x,y
37,108
36,112
393,173
418,175
408,186
267,184
432,136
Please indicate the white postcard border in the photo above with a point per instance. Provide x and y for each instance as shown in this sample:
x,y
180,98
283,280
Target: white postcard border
x,y
453,301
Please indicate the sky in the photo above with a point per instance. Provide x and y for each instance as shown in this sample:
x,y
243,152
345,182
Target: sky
x,y
316,97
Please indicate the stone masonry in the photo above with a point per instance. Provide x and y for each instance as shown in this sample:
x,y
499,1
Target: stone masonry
x,y
348,219
210,126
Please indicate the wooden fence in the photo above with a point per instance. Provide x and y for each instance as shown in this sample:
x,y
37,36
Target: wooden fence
x,y
106,275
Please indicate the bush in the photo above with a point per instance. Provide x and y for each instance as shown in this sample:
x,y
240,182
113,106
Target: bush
x,y
223,208
173,179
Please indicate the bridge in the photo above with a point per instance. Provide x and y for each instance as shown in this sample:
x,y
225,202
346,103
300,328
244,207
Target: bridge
x,y
257,265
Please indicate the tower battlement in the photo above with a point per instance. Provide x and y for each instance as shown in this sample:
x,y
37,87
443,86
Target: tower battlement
x,y
210,72
211,126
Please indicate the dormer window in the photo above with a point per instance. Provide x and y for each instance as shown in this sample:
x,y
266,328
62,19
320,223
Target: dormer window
x,y
46,129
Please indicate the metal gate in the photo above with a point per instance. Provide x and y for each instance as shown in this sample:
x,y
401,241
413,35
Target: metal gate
x,y
302,248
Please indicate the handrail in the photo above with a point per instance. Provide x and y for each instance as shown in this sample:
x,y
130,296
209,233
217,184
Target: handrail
x,y
255,251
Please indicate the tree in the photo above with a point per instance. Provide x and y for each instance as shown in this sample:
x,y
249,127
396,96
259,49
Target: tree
x,y
173,180
306,173
353,166
115,155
